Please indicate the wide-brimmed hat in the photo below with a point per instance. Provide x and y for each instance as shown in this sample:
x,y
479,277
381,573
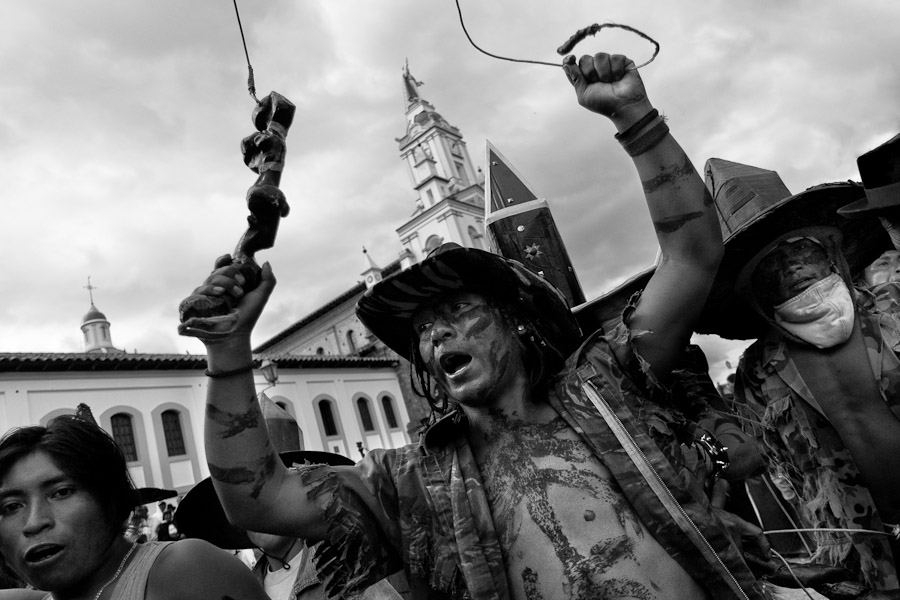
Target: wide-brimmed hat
x,y
387,308
200,513
150,495
880,173
755,208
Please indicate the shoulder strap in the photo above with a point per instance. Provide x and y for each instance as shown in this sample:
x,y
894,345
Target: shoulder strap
x,y
679,516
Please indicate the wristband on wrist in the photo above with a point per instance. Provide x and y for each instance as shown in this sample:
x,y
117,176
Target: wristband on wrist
x,y
636,127
238,371
646,138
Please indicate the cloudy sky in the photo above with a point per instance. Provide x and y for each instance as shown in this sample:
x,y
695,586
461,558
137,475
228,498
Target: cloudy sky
x,y
121,122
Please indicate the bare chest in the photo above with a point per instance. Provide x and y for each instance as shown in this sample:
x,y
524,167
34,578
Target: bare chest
x,y
843,384
565,528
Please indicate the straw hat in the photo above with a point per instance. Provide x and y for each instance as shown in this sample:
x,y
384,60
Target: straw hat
x,y
387,308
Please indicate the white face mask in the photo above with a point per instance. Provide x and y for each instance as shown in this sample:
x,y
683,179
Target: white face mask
x,y
821,315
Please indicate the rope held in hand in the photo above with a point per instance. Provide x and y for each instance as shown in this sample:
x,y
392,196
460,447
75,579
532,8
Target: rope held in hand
x,y
569,44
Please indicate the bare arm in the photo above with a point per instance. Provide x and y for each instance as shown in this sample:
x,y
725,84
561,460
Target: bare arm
x,y
196,570
680,206
256,490
22,594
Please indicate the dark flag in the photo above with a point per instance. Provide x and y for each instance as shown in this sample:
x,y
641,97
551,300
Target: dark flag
x,y
521,227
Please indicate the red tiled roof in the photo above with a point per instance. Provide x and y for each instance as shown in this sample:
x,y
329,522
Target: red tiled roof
x,y
357,289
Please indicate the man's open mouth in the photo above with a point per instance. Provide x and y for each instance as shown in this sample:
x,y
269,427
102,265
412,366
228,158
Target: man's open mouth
x,y
452,363
42,553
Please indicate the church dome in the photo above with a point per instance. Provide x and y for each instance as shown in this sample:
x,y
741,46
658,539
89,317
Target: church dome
x,y
93,315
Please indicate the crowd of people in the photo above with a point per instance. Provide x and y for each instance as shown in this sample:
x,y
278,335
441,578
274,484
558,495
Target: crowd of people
x,y
561,463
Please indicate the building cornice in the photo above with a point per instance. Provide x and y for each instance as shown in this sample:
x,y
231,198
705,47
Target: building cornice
x,y
43,362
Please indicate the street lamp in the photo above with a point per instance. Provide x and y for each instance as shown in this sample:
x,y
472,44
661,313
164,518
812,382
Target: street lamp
x,y
269,371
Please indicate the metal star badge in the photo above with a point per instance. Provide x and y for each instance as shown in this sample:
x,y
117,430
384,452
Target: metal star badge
x,y
533,251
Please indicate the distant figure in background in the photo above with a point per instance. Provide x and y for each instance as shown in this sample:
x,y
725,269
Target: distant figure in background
x,y
65,501
155,519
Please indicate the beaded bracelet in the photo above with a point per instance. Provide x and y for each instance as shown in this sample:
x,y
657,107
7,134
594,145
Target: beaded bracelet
x,y
238,371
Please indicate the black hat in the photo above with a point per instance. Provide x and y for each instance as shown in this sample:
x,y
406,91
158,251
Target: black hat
x,y
387,308
200,513
880,173
755,208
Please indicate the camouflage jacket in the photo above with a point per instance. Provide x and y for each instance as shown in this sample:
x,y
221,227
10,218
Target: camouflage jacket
x,y
423,507
306,585
806,454
883,298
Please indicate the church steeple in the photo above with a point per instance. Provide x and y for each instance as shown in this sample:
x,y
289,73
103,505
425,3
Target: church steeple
x,y
450,202
95,328
410,85
372,273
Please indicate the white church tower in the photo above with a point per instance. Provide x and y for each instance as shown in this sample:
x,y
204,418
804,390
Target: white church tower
x,y
450,203
95,328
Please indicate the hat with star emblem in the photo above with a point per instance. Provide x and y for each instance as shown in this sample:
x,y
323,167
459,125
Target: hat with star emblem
x,y
522,227
387,308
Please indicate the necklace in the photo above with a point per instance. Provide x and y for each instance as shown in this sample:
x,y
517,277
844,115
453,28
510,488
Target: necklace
x,y
118,571
284,564
114,577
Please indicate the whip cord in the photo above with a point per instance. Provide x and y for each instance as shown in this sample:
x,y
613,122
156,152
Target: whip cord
x,y
568,45
251,84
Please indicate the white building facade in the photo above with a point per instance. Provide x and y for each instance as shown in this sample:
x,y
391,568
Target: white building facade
x,y
154,404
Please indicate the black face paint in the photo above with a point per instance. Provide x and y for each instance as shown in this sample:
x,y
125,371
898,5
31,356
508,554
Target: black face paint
x,y
235,423
255,476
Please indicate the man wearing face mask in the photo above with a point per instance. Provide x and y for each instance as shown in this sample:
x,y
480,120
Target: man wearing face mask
x,y
821,385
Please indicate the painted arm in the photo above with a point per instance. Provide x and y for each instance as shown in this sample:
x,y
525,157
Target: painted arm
x,y
256,490
680,206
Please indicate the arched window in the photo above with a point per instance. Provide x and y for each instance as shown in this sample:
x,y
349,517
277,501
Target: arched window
x,y
328,422
320,351
171,421
433,242
461,170
123,433
476,237
351,343
389,415
365,415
